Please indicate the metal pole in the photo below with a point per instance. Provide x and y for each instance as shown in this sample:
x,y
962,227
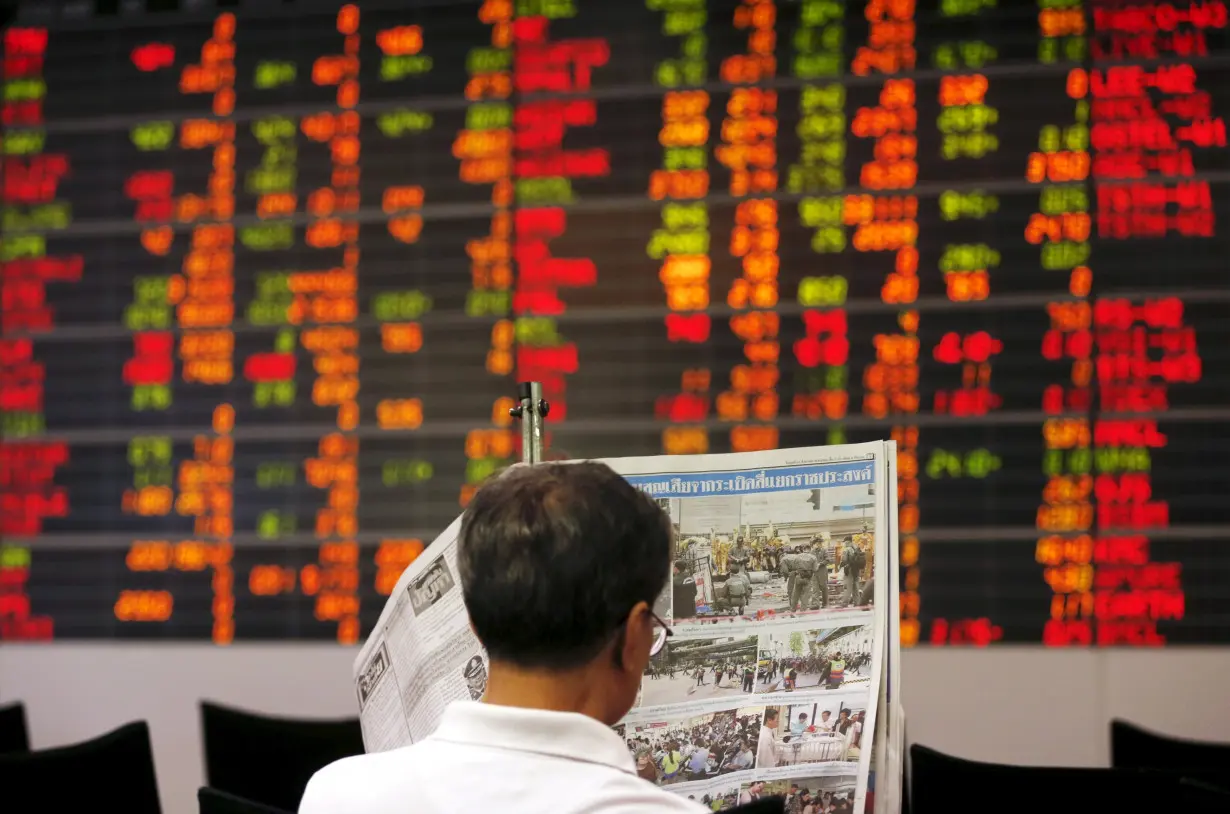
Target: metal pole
x,y
532,411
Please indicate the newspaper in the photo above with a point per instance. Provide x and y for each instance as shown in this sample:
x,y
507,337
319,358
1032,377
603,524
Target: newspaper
x,y
776,678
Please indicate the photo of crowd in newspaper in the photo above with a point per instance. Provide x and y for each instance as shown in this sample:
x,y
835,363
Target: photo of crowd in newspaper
x,y
695,748
807,795
804,795
728,757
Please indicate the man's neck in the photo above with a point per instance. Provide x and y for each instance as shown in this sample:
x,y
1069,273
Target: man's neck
x,y
556,691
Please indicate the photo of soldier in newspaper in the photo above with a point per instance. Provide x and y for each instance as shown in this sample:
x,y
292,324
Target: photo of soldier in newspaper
x,y
830,658
430,586
832,794
475,673
373,671
700,747
819,732
811,561
696,669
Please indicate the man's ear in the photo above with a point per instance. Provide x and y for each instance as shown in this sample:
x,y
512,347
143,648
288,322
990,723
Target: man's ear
x,y
638,636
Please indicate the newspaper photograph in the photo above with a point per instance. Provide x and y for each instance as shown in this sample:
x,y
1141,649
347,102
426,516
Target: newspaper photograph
x,y
695,669
827,658
777,599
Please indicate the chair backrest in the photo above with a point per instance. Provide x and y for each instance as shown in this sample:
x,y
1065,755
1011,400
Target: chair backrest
x,y
951,785
113,772
14,735
270,760
213,801
1132,747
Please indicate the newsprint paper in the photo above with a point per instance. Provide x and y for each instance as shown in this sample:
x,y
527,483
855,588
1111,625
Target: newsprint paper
x,y
777,680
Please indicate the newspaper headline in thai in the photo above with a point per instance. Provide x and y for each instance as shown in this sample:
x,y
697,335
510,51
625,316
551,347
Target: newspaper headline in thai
x,y
776,679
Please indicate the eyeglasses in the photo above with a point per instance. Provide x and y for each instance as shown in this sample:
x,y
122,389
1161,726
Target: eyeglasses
x,y
661,633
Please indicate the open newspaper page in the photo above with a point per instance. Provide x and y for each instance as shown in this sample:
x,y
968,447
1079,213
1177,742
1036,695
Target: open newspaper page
x,y
422,654
771,682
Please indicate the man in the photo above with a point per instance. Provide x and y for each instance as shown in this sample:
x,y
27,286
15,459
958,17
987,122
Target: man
x,y
803,567
738,588
752,793
749,678
820,579
698,762
857,727
559,566
792,799
785,567
740,555
766,746
837,672
827,724
743,758
683,591
853,560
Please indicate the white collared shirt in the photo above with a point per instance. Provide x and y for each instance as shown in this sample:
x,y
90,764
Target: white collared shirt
x,y
766,749
486,756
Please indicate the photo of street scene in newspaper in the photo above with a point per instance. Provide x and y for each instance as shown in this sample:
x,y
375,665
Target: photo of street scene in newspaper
x,y
827,659
771,682
697,669
798,552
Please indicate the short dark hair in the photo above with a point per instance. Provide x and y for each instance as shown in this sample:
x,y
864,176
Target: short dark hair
x,y
770,714
553,557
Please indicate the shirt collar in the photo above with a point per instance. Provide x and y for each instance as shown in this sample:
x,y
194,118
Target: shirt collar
x,y
567,735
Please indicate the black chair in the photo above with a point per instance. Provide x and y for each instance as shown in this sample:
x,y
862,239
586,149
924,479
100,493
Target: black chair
x,y
1132,747
14,735
943,784
765,805
212,801
114,772
270,760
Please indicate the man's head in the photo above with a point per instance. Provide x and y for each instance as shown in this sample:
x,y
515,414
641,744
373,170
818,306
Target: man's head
x,y
770,718
845,713
560,565
826,714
